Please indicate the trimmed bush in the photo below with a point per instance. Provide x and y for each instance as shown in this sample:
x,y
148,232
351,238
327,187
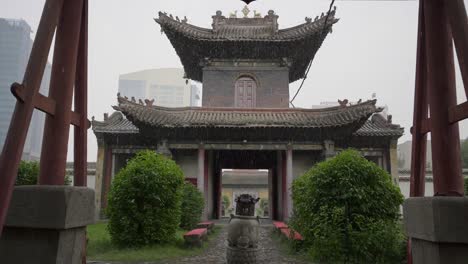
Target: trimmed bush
x,y
347,209
144,203
466,186
28,172
192,206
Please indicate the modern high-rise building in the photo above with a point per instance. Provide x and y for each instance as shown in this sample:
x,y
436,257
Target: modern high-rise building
x,y
15,47
167,87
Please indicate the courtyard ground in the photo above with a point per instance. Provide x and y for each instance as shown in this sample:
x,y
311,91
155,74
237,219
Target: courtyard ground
x,y
271,251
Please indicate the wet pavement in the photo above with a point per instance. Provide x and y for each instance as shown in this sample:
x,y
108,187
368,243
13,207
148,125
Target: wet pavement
x,y
269,251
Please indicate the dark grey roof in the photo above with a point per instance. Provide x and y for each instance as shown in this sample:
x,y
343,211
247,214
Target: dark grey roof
x,y
377,125
246,29
163,117
255,38
115,124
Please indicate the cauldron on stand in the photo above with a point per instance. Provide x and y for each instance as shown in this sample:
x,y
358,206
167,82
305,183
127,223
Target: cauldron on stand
x,y
242,239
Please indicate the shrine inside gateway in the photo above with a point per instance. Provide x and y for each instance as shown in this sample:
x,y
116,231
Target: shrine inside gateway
x,y
245,65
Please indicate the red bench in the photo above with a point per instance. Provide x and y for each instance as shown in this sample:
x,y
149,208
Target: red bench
x,y
280,225
207,224
291,234
196,237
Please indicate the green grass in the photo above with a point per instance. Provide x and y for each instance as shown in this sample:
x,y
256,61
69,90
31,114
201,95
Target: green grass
x,y
101,248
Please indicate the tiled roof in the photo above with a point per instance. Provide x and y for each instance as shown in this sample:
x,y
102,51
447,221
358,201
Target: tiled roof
x,y
255,38
377,125
115,124
162,117
246,29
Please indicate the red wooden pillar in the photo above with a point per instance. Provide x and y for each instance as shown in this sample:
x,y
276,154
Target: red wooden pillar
x,y
18,130
456,11
81,105
107,177
445,137
418,155
56,130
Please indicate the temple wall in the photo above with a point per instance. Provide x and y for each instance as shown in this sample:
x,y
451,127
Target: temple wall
x,y
302,162
272,86
188,162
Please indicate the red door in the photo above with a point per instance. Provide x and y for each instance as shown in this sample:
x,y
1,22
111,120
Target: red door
x,y
245,92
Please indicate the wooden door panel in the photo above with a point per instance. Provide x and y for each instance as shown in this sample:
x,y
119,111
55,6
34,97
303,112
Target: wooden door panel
x,y
245,92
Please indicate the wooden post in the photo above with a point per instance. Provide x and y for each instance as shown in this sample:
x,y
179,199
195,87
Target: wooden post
x,y
18,130
56,130
418,154
445,136
81,105
289,180
201,176
107,177
456,12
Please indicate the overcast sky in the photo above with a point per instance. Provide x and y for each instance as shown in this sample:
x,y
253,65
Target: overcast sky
x,y
372,48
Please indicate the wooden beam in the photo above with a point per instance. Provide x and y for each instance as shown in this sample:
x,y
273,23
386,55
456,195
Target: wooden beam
x,y
47,105
456,12
62,81
458,112
445,137
18,130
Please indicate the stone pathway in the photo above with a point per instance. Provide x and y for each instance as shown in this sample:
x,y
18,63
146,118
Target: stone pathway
x,y
269,253
215,253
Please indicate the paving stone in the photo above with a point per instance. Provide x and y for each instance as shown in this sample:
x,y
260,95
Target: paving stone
x,y
269,253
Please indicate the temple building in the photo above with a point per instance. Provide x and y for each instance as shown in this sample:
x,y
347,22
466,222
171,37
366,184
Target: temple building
x,y
245,65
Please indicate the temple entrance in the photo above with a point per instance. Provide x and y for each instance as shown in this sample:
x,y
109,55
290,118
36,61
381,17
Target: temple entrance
x,y
254,172
235,182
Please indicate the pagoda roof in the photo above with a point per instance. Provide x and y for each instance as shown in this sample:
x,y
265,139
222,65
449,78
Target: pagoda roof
x,y
164,117
359,120
246,38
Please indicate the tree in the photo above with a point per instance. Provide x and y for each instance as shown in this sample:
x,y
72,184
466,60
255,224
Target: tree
x,y
464,153
347,209
144,204
192,206
28,173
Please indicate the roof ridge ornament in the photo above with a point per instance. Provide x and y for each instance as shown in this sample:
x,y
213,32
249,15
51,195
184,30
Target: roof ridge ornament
x,y
246,11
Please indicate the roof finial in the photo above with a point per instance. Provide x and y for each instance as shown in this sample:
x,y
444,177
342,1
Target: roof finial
x,y
149,102
246,11
247,1
343,103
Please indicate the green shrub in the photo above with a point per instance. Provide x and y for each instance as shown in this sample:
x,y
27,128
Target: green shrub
x,y
466,186
192,206
28,172
347,209
144,204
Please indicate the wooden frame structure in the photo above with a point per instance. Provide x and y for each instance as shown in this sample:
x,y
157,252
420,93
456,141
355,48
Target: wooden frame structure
x,y
68,19
441,23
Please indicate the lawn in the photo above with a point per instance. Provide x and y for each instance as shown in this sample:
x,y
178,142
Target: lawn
x,y
101,248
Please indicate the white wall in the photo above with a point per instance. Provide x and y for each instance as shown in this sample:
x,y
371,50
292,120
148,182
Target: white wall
x,y
405,188
188,162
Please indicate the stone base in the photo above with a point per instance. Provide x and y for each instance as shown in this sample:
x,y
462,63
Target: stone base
x,y
241,255
47,224
438,229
